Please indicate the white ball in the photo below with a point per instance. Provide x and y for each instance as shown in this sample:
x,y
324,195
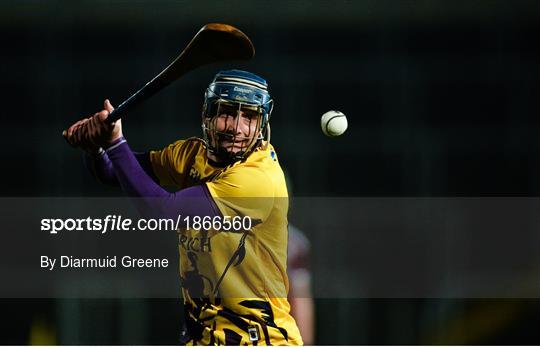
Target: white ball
x,y
333,123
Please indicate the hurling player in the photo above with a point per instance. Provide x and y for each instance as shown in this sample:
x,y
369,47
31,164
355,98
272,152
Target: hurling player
x,y
234,282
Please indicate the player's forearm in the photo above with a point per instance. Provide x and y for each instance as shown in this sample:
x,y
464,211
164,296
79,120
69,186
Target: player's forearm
x,y
135,182
101,167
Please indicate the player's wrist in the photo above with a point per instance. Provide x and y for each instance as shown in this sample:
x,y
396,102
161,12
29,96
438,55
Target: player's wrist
x,y
111,139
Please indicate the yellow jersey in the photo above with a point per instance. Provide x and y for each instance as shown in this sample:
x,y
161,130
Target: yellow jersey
x,y
234,282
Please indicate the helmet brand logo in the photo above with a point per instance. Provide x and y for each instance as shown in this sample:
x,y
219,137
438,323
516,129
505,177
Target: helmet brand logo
x,y
242,90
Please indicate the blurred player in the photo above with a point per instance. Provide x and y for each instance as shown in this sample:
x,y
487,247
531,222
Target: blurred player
x,y
234,282
302,307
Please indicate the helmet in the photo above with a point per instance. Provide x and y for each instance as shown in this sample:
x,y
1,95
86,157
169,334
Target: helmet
x,y
240,91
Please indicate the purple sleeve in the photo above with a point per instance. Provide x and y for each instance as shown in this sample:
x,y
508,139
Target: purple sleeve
x,y
102,168
193,201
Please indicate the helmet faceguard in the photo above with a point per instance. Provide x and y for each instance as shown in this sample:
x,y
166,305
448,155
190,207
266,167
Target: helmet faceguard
x,y
233,93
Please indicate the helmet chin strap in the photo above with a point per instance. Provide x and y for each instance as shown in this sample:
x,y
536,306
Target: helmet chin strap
x,y
229,155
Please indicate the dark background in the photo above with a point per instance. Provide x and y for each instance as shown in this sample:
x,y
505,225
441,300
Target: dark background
x,y
441,98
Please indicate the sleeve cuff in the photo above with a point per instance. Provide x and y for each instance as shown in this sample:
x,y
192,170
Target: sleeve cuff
x,y
115,144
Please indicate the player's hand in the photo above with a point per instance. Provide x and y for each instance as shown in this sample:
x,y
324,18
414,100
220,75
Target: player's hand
x,y
76,136
93,133
100,132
